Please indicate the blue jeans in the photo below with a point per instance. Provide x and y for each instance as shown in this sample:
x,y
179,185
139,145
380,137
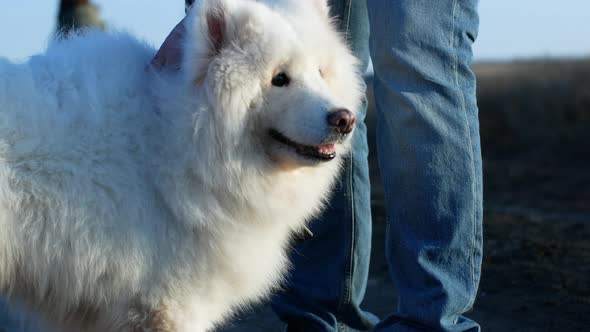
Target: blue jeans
x,y
430,161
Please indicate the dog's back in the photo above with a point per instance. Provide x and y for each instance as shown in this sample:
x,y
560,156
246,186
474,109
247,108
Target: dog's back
x,y
79,87
71,156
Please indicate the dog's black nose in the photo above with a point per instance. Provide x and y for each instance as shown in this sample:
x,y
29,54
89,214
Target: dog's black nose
x,y
341,120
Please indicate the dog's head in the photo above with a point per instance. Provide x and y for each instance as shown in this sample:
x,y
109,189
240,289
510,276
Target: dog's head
x,y
277,75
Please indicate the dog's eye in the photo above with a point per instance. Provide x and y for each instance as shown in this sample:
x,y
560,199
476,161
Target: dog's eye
x,y
281,79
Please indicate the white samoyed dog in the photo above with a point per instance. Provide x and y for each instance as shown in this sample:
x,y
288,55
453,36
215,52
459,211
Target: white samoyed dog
x,y
138,200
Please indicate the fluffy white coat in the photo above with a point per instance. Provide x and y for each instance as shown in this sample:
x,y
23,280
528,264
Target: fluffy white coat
x,y
137,200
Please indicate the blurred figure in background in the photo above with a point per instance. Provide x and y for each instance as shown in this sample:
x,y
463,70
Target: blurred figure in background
x,y
76,14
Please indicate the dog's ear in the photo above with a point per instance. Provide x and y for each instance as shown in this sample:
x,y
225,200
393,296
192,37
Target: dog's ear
x,y
323,6
214,17
208,25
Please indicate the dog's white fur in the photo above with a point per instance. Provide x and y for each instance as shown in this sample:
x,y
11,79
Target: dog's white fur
x,y
139,200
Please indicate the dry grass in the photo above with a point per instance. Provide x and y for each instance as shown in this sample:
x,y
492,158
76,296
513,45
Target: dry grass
x,y
541,105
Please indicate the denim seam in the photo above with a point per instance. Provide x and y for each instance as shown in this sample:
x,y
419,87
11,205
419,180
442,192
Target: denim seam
x,y
349,13
353,230
346,295
454,45
347,289
349,273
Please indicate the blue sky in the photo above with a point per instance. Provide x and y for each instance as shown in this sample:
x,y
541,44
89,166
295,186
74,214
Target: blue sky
x,y
509,28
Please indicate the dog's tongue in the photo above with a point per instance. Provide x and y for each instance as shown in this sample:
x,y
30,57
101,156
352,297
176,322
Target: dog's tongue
x,y
327,149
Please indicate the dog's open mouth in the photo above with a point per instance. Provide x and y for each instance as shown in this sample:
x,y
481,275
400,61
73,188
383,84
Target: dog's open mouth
x,y
324,152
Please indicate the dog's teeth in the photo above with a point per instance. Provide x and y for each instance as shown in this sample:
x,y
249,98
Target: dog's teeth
x,y
327,149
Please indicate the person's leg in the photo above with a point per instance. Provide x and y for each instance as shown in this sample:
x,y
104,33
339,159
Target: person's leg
x,y
328,281
430,159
